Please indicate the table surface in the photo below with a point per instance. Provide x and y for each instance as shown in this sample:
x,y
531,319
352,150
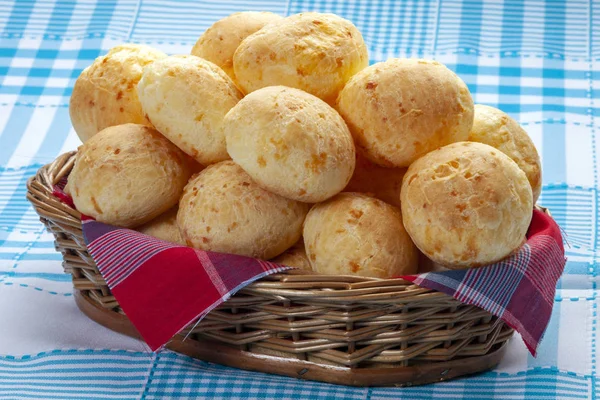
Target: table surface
x,y
538,62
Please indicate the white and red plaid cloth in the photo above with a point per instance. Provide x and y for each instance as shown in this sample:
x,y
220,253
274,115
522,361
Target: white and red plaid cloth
x,y
163,287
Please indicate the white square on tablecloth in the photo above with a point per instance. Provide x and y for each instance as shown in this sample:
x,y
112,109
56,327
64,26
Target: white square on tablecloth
x,y
22,62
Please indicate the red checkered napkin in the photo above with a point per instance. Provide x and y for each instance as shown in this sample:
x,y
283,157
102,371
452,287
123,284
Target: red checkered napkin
x,y
163,287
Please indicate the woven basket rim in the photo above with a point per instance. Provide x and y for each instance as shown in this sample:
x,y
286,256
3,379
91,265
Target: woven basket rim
x,y
293,284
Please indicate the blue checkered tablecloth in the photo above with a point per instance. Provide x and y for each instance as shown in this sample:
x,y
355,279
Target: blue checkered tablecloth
x,y
537,60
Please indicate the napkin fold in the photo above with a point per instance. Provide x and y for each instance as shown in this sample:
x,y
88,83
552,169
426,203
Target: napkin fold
x,y
163,287
519,289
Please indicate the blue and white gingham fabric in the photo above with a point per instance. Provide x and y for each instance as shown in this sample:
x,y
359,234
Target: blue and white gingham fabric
x,y
537,60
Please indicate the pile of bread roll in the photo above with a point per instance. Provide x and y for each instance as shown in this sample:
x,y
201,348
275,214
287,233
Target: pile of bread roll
x,y
275,139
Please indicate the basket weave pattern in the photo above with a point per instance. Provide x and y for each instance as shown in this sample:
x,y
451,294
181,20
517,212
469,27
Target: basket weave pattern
x,y
343,321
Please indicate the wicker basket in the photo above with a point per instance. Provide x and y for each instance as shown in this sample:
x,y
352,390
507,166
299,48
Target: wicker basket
x,y
339,329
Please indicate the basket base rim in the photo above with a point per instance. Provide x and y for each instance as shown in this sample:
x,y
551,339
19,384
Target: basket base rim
x,y
211,351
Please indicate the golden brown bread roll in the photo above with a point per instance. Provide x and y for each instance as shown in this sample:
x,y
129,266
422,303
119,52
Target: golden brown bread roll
x,y
223,210
186,99
164,227
401,109
219,42
295,256
466,205
314,52
105,93
494,127
126,175
291,143
355,234
383,183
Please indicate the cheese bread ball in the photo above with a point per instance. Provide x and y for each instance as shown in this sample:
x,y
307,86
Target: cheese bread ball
x,y
291,143
355,234
314,52
164,227
295,256
492,126
401,109
186,99
126,175
218,43
383,183
105,93
466,205
223,210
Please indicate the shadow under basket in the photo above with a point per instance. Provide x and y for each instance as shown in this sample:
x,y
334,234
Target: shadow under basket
x,y
340,329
